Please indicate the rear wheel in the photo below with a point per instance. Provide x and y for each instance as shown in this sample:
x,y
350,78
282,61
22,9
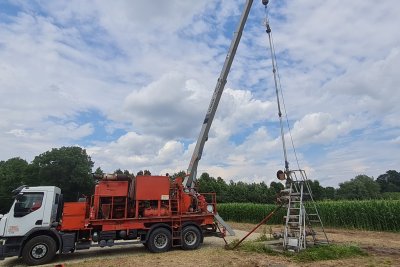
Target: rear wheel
x,y
160,240
39,250
191,237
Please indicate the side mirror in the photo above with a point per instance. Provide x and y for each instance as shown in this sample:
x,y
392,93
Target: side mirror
x,y
19,197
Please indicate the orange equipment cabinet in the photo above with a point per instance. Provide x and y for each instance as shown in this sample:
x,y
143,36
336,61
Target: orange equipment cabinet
x,y
113,188
73,216
152,188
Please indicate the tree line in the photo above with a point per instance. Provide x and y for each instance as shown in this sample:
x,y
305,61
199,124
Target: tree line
x,y
386,186
70,168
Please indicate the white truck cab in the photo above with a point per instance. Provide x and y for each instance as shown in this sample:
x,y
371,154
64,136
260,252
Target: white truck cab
x,y
33,212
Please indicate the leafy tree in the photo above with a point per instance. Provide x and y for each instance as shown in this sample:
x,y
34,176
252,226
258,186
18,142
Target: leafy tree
x,y
360,187
389,182
208,184
222,195
118,171
126,172
329,192
238,191
265,194
181,174
316,189
12,174
69,168
276,187
99,171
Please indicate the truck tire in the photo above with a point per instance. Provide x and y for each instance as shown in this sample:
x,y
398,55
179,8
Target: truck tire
x,y
191,237
39,250
160,240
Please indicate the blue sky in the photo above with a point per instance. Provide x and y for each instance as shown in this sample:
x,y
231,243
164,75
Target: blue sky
x,y
130,81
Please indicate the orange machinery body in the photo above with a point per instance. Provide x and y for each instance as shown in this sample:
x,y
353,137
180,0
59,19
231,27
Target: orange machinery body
x,y
136,203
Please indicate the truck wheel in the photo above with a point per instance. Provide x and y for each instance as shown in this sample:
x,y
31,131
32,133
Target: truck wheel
x,y
39,250
191,237
160,240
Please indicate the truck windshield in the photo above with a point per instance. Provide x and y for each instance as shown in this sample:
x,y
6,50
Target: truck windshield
x,y
27,203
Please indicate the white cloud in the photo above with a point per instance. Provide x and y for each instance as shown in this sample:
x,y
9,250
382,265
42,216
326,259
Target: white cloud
x,y
319,128
137,152
168,107
396,140
149,68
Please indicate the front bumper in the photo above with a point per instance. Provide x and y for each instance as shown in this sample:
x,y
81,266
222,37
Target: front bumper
x,y
5,251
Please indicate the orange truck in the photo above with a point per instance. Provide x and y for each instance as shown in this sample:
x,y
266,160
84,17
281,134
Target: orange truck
x,y
153,210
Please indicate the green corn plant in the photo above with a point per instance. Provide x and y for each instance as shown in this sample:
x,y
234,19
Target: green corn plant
x,y
377,215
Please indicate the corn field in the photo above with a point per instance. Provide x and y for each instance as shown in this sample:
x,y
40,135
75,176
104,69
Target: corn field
x,y
377,215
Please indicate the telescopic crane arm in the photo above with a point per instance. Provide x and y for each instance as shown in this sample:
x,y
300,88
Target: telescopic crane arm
x,y
219,88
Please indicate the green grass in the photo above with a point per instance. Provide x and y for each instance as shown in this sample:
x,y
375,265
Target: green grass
x,y
252,246
328,252
317,253
264,236
259,247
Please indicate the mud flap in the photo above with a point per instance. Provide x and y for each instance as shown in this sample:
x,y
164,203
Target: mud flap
x,y
224,224
2,252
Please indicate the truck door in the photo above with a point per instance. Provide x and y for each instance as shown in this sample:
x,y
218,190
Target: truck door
x,y
26,213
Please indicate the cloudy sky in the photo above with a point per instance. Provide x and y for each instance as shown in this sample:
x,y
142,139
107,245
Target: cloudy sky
x,y
130,81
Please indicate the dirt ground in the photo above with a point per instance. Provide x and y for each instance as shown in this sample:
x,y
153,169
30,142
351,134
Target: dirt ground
x,y
383,249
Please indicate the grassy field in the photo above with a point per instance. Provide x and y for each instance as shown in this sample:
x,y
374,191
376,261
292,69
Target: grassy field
x,y
377,249
377,215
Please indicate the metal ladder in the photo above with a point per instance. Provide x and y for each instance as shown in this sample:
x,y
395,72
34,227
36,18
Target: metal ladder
x,y
176,218
176,226
303,224
301,219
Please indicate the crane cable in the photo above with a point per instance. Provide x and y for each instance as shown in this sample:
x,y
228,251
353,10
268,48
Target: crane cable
x,y
279,85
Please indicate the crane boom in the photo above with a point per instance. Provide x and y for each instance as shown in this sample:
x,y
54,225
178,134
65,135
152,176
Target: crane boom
x,y
219,88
